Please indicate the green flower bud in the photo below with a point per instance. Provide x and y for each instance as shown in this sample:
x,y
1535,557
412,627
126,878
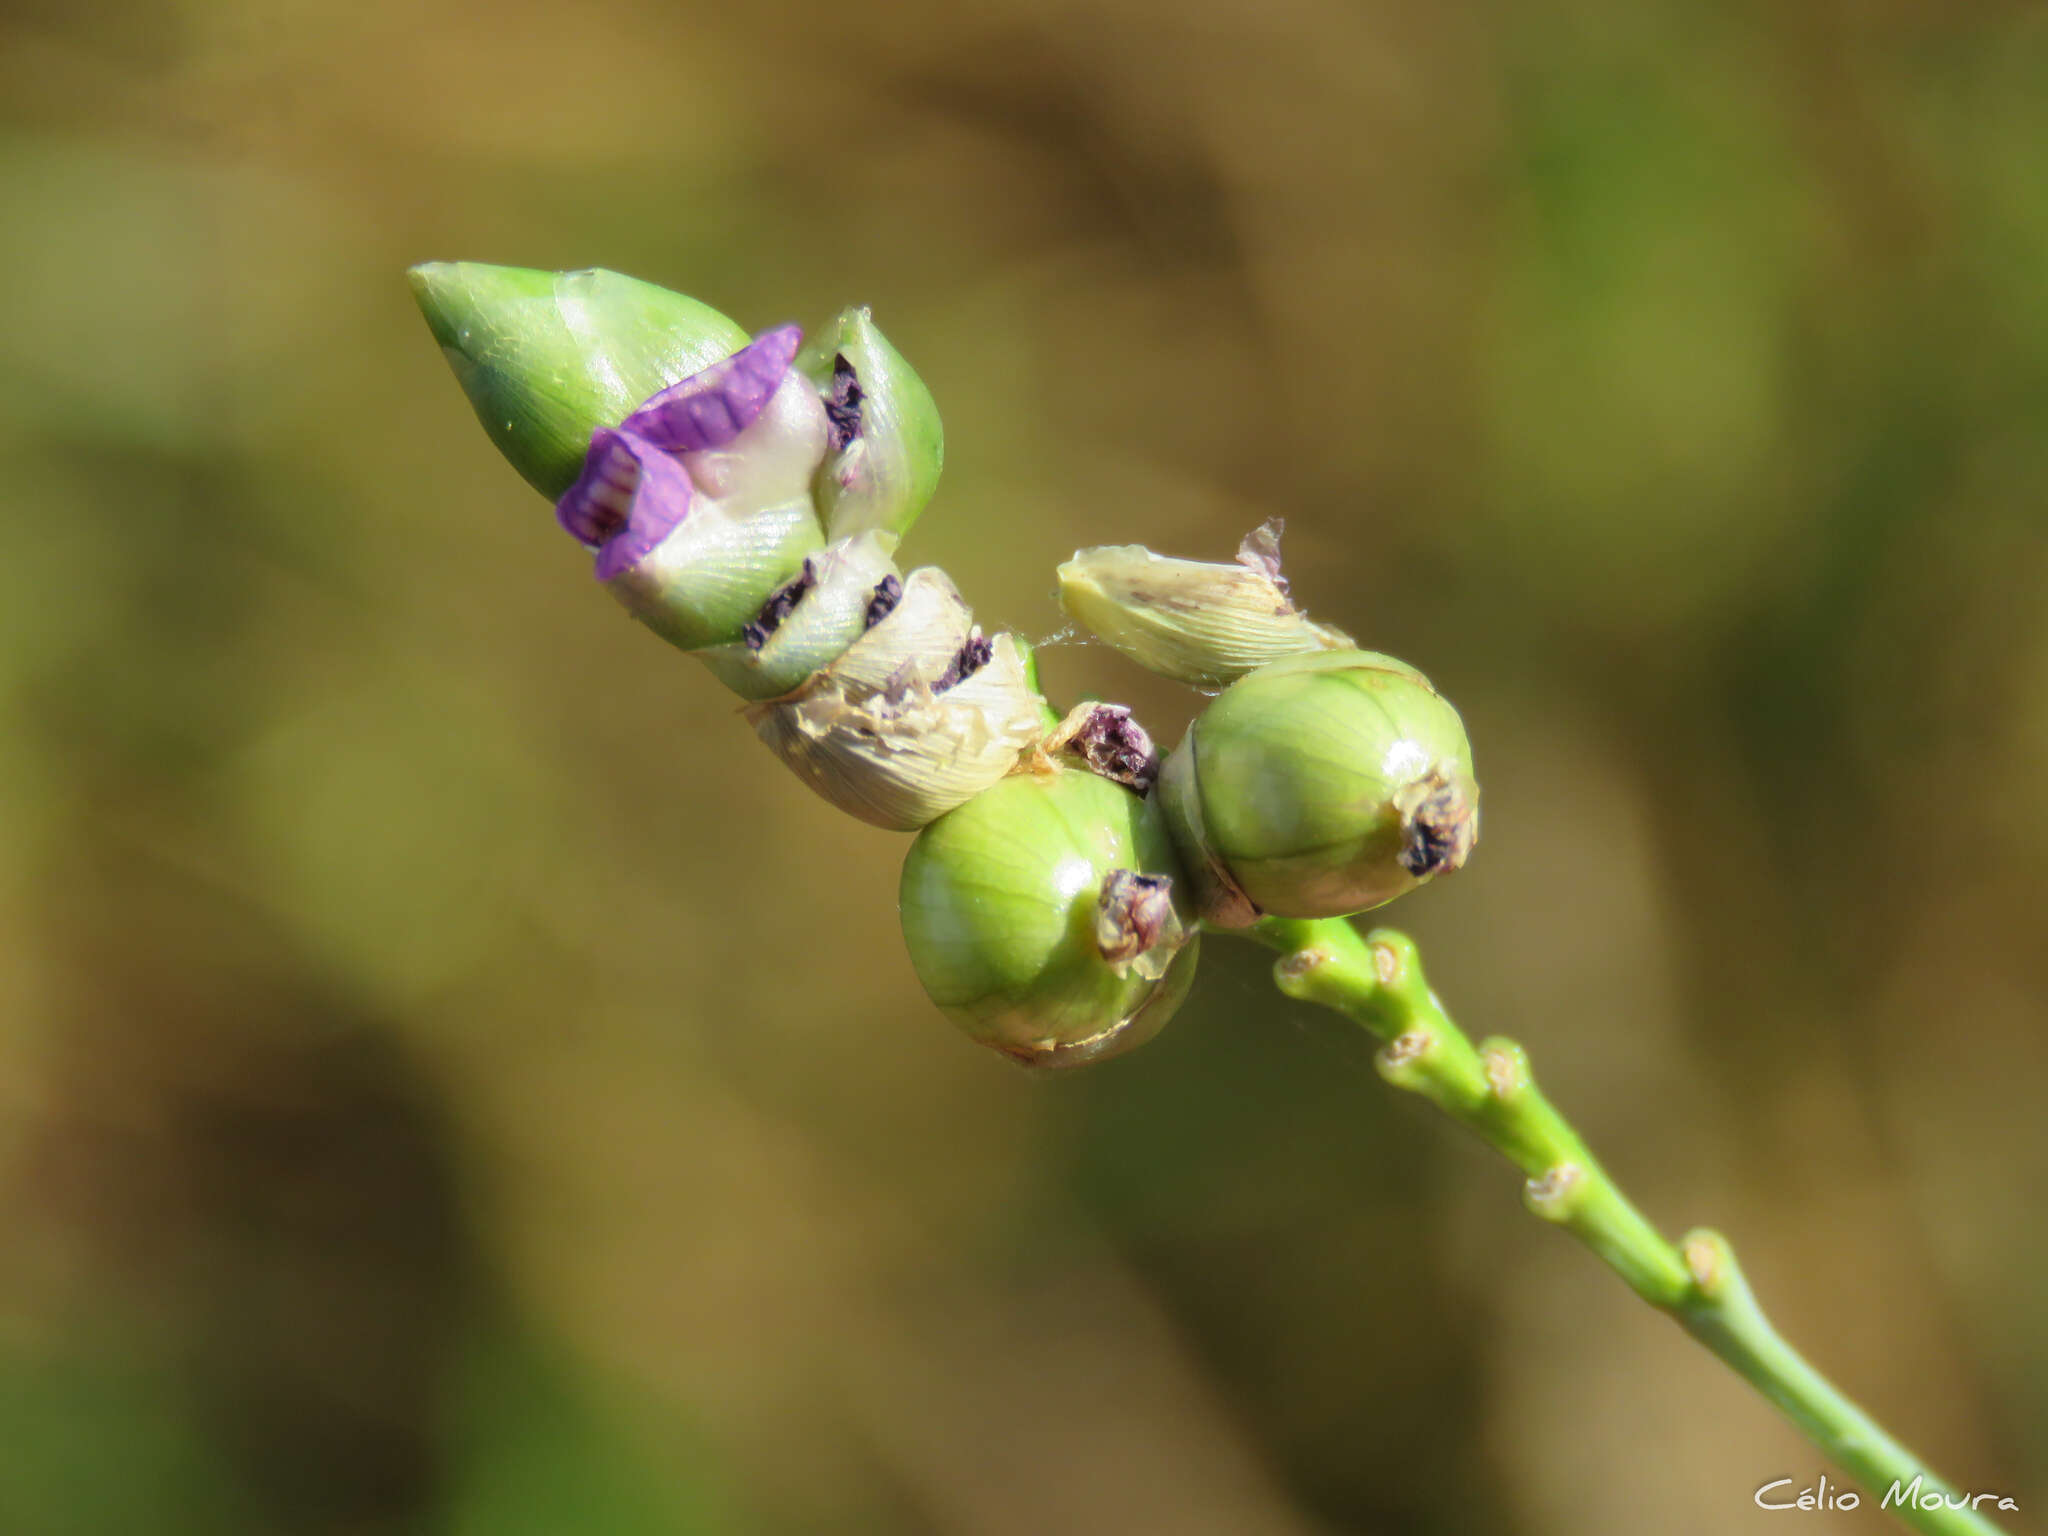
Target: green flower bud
x,y
547,358
808,621
1201,624
887,446
903,755
1319,786
1046,918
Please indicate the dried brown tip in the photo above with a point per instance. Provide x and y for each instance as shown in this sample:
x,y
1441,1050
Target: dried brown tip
x,y
1439,825
1110,742
1259,551
1134,918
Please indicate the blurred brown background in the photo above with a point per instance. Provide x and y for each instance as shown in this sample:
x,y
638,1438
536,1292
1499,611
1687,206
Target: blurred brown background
x,y
452,1082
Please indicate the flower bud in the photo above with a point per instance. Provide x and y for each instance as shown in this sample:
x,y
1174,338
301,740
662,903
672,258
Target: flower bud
x,y
1319,786
682,563
903,755
1046,918
887,446
1201,624
547,358
807,622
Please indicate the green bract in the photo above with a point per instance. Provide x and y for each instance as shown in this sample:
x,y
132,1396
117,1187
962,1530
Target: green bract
x,y
546,358
807,623
887,444
1046,918
1319,786
703,584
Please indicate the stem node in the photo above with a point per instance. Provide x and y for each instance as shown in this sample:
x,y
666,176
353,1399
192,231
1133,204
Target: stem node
x,y
1710,1262
1553,1194
1507,1069
1377,981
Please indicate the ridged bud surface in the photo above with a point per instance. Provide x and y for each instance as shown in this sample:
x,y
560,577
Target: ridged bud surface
x,y
1046,918
547,358
1319,786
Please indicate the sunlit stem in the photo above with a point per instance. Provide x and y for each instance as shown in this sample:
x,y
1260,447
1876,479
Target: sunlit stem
x,y
1377,981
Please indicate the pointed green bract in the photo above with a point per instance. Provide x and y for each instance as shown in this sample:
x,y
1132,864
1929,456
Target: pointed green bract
x,y
887,444
546,358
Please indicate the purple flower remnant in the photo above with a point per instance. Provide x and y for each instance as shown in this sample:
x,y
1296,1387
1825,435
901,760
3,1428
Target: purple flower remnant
x,y
842,403
887,594
711,408
968,660
1113,744
629,498
780,605
1133,914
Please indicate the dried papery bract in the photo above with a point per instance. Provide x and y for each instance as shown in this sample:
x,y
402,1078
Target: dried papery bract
x,y
915,640
1319,786
1045,917
903,756
1199,623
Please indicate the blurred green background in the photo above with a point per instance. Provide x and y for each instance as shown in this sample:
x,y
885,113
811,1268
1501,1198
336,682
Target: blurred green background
x,y
451,1081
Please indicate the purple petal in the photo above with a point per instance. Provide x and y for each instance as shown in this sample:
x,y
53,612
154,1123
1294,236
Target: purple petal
x,y
711,408
629,498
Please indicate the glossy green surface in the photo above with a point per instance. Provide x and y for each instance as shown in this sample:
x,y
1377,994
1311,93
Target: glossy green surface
x,y
546,358
700,586
885,477
828,619
998,900
1297,767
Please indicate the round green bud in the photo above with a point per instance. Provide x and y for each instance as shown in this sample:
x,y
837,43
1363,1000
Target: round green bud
x,y
1319,786
1047,918
547,358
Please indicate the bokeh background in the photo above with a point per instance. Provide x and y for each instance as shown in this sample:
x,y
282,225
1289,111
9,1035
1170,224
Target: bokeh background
x,y
451,1081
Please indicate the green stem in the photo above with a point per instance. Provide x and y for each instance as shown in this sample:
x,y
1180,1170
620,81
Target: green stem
x,y
1377,981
